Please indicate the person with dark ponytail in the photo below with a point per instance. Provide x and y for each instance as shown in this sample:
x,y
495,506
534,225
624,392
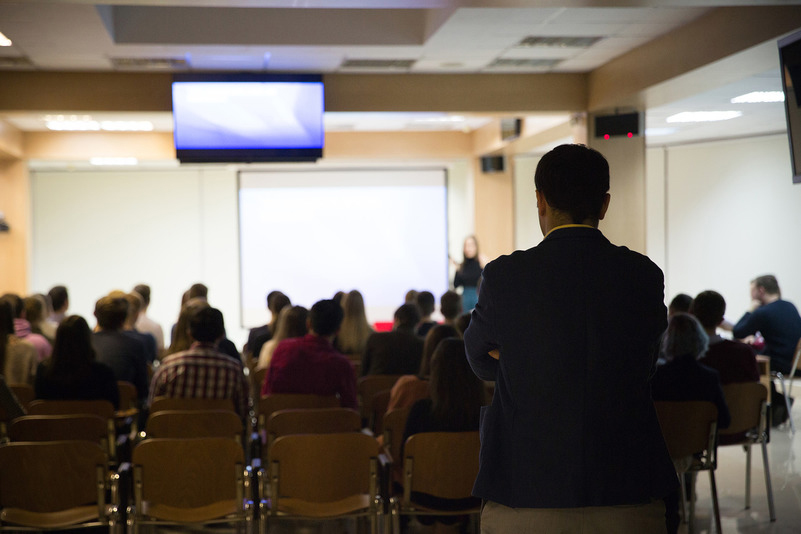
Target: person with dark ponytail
x,y
18,358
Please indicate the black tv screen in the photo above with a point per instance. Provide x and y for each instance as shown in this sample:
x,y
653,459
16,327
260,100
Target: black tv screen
x,y
790,60
230,118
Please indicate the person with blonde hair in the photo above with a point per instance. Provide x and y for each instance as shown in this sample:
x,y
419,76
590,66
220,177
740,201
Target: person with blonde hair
x,y
292,322
353,334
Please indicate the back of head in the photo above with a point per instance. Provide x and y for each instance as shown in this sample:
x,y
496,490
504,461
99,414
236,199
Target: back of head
x,y
407,316
35,306
111,312
456,393
73,345
411,297
277,302
17,304
181,339
684,338
462,323
432,340
681,303
58,297
353,305
426,302
325,317
574,180
450,304
198,291
206,324
292,322
769,283
708,307
144,291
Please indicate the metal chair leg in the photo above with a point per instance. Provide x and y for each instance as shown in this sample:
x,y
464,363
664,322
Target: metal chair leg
x,y
768,485
747,476
715,506
787,402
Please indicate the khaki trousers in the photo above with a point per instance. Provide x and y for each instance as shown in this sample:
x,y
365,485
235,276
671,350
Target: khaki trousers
x,y
630,519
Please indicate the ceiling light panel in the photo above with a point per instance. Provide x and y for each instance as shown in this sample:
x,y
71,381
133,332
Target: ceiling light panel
x,y
5,41
558,42
516,63
143,63
378,64
703,116
759,97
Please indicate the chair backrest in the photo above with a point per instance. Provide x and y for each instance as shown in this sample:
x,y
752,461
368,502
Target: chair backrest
x,y
324,467
689,427
194,424
187,479
257,379
128,395
289,401
394,425
369,386
312,421
49,477
179,403
378,409
745,402
442,464
60,427
24,393
101,408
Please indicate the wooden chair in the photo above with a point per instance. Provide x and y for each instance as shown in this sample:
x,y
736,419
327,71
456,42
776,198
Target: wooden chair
x,y
256,380
55,485
288,401
367,388
101,408
195,424
379,408
24,393
748,406
127,416
78,427
787,391
394,425
311,421
690,432
180,403
321,476
189,482
440,464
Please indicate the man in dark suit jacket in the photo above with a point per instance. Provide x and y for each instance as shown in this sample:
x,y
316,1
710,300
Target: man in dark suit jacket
x,y
569,332
398,352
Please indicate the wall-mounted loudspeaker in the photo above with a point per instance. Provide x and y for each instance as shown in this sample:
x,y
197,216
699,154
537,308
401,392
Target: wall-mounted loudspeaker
x,y
626,124
492,164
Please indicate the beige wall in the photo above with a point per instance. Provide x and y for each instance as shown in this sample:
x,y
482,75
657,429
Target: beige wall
x,y
15,203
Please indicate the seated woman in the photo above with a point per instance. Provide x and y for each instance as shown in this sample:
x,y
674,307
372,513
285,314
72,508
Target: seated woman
x,y
454,406
71,372
18,357
292,322
354,331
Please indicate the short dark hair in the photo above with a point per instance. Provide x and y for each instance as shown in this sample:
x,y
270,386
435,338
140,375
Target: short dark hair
x,y
450,304
325,317
426,302
575,180
206,325
16,302
463,322
58,297
144,292
680,303
407,315
111,312
198,290
769,283
708,307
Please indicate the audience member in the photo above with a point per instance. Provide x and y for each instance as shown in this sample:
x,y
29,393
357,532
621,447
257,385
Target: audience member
x,y
426,304
462,322
338,297
310,364
276,301
18,358
22,328
353,334
72,373
450,306
734,361
576,310
182,339
129,327
292,322
776,319
397,352
198,290
125,354
454,406
468,273
408,389
60,301
36,314
147,325
681,303
411,297
201,371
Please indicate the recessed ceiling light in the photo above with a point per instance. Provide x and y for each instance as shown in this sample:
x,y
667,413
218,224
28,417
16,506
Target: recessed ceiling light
x,y
66,125
4,41
113,161
703,116
127,126
758,97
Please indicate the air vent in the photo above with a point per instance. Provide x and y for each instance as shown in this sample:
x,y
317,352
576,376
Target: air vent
x,y
558,42
15,62
149,63
523,63
387,64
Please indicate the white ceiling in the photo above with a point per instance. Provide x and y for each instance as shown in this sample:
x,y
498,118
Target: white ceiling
x,y
435,36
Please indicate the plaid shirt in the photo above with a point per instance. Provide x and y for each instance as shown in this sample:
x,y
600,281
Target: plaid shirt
x,y
201,373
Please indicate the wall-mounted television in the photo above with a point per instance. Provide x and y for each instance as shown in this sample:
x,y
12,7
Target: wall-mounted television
x,y
245,118
790,60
